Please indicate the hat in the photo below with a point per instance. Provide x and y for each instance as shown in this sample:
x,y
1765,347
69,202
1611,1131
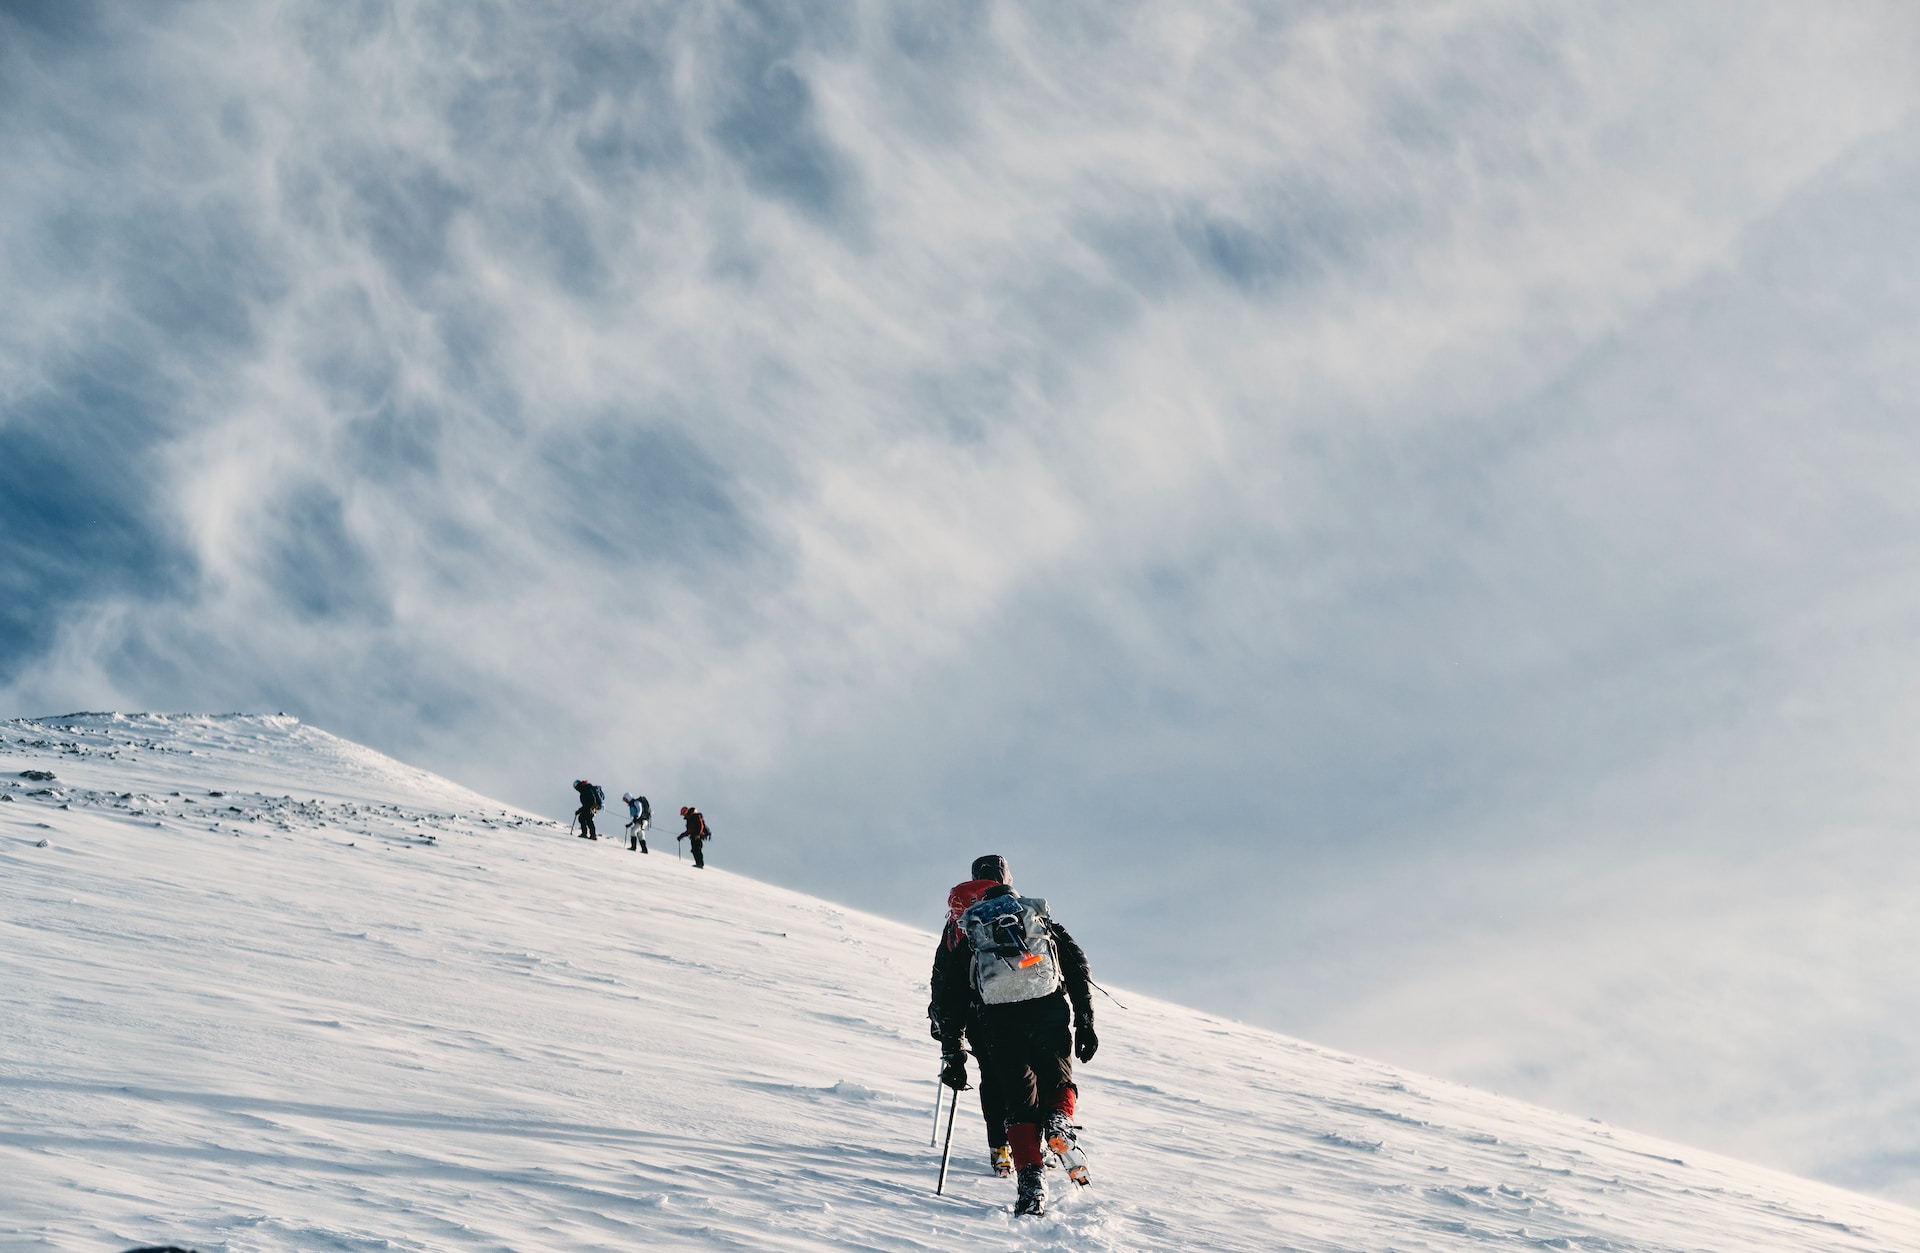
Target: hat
x,y
992,866
626,796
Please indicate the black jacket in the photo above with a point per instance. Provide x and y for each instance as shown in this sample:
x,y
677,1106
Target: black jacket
x,y
956,1007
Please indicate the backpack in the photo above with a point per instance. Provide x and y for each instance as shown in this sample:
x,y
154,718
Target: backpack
x,y
962,898
1013,954
646,810
599,797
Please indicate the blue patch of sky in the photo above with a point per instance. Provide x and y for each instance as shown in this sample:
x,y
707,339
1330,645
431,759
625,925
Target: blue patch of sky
x,y
946,58
1064,310
601,82
395,441
331,33
641,129
405,213
645,496
966,401
767,121
195,276
81,508
575,259
52,20
1285,238
939,34
468,334
1254,260
316,565
1272,242
386,437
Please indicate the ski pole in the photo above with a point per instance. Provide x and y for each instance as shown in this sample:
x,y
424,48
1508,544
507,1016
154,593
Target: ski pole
x,y
939,1091
940,1189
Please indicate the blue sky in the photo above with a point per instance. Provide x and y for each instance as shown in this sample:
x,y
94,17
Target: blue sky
x,y
1333,491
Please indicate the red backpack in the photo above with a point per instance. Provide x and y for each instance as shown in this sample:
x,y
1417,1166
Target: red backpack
x,y
963,897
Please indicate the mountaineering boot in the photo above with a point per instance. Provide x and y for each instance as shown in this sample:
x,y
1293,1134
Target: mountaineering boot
x,y
1058,1137
1002,1160
1033,1191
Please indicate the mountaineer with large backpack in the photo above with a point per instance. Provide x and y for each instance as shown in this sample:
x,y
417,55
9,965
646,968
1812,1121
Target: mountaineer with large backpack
x,y
642,811
953,1063
1027,973
592,797
696,835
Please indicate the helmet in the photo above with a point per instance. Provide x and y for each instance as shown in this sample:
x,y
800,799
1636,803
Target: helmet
x,y
685,810
626,796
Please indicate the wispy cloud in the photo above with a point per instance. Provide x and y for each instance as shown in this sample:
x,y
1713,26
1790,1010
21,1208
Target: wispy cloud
x,y
1264,466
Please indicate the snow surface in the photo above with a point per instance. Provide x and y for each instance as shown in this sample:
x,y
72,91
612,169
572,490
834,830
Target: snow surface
x,y
345,1004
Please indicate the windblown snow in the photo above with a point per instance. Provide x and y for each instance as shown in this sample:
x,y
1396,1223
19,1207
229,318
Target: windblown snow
x,y
269,990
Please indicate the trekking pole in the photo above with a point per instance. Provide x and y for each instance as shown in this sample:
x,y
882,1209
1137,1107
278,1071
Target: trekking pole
x,y
939,1091
940,1189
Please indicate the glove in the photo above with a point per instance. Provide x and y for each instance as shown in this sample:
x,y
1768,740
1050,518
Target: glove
x,y
1085,1042
953,1069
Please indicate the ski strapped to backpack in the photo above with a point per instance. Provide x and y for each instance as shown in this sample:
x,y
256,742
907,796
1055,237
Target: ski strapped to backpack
x,y
1014,958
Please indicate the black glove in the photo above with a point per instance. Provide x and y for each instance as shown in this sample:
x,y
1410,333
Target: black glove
x,y
953,1068
1085,1042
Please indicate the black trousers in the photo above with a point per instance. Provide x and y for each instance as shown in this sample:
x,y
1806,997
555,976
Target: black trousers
x,y
699,858
586,823
993,1110
1027,1054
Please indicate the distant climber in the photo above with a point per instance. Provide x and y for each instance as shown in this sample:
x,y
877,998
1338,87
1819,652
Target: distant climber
x,y
696,835
953,1063
637,825
592,797
1027,973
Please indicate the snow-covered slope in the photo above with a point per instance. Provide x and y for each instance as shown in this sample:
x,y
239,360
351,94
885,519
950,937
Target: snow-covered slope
x,y
265,989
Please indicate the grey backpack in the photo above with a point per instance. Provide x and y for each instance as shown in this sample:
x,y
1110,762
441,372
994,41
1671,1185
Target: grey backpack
x,y
1013,953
